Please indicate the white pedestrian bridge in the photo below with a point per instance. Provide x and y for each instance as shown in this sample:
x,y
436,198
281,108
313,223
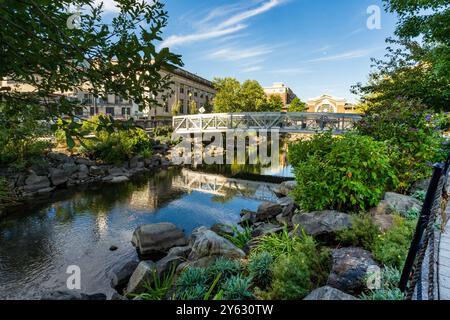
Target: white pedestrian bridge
x,y
285,122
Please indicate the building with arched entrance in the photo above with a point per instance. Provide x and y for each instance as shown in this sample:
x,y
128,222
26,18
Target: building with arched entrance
x,y
330,104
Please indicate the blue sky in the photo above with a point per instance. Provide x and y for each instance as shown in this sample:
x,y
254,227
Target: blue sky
x,y
314,46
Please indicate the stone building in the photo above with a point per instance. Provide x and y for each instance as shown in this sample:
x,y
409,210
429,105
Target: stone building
x,y
330,104
280,89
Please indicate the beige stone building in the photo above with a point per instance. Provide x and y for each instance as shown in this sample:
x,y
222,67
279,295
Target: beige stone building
x,y
280,89
327,103
186,87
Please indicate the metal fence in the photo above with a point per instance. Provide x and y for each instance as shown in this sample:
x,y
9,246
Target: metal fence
x,y
419,278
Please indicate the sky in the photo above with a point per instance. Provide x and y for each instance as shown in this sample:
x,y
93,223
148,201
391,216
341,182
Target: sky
x,y
314,46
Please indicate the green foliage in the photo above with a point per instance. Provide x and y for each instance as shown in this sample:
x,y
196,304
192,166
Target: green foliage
x,y
392,247
225,267
363,233
231,96
413,134
390,278
347,173
419,195
260,269
240,237
297,106
237,288
412,214
274,104
278,244
157,289
192,284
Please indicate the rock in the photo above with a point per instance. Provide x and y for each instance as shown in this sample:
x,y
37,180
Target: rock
x,y
121,275
34,183
69,168
287,206
135,162
199,263
72,295
208,243
116,172
59,157
165,163
421,185
267,211
40,168
248,219
117,296
328,293
58,177
180,251
84,161
349,269
245,212
164,265
222,229
83,171
285,188
383,221
323,224
113,248
96,171
119,179
143,274
396,203
157,238
266,228
45,190
284,220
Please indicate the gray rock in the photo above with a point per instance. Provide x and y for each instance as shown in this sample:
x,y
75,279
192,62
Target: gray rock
x,y
59,157
58,177
143,274
165,265
121,275
180,251
69,168
96,171
383,221
396,203
287,206
84,161
266,228
349,269
245,212
83,171
329,293
119,179
285,188
267,211
222,229
157,238
421,185
34,183
282,220
248,219
116,172
208,243
72,295
45,190
322,223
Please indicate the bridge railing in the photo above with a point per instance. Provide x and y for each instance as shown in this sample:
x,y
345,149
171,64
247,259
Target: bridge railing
x,y
285,122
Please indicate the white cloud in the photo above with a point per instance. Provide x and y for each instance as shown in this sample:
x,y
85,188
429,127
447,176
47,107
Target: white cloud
x,y
234,54
230,25
344,56
252,69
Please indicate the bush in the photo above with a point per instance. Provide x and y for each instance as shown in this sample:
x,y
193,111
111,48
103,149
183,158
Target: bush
x,y
277,244
391,248
158,288
414,136
237,288
351,175
390,278
300,151
260,269
363,233
225,267
192,284
240,238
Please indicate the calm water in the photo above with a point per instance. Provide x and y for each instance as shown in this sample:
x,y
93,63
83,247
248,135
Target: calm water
x,y
39,242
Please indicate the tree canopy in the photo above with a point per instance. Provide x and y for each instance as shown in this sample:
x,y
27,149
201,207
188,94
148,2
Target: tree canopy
x,y
232,96
297,105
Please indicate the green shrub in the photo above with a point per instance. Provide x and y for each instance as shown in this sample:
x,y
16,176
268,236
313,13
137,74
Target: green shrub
x,y
225,267
391,248
237,288
157,289
240,237
390,278
192,283
352,175
300,151
260,269
197,292
419,195
414,136
277,244
363,233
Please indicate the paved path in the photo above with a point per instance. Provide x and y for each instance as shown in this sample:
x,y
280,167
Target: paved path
x,y
444,264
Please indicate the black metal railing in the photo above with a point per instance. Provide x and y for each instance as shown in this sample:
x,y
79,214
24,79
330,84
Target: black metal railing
x,y
423,243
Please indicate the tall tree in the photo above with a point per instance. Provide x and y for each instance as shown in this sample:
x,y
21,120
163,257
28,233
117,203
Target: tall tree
x,y
274,104
253,97
297,105
228,96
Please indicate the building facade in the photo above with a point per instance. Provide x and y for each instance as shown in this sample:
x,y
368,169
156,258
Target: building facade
x,y
330,104
281,90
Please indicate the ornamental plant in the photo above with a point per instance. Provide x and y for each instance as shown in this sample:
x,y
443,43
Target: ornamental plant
x,y
346,173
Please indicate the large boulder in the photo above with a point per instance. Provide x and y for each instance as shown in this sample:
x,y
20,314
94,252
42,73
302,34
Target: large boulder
x,y
72,295
122,274
165,265
285,188
328,293
383,221
349,269
180,251
266,228
323,224
34,183
396,203
287,206
58,177
157,238
267,211
247,218
144,274
69,168
222,229
206,243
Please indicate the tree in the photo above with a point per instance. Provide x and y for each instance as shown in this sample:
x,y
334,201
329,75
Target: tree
x,y
228,97
274,104
208,107
40,48
297,106
253,97
417,64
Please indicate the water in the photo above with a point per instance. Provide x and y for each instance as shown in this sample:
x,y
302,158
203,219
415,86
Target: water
x,y
39,241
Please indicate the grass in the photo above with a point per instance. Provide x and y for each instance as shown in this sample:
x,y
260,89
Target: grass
x,y
240,238
158,288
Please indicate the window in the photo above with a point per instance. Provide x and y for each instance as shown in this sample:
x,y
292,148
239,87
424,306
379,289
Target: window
x,y
181,106
325,108
195,94
166,106
126,111
181,90
110,111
